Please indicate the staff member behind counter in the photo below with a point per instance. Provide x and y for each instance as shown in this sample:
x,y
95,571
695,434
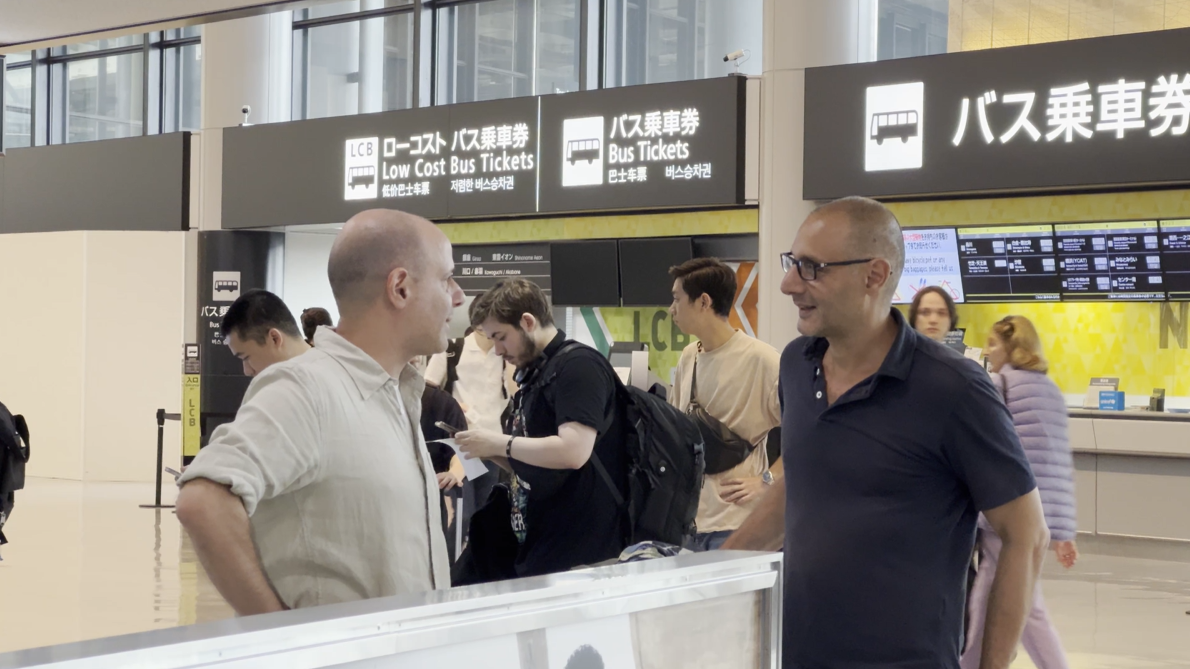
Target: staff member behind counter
x,y
322,490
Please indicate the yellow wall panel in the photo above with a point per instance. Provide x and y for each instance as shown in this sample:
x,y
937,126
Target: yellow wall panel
x,y
1010,23
1048,209
727,221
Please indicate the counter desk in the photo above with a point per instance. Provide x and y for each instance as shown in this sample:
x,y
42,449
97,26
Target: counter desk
x,y
1132,473
719,609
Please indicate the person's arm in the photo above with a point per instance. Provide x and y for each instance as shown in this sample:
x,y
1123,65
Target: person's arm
x,y
765,528
571,448
217,523
272,448
985,453
1020,524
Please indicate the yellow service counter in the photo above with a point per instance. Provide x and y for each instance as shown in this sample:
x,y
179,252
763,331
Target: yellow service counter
x,y
1132,473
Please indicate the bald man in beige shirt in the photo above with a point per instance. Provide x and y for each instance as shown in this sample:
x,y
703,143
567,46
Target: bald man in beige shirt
x,y
321,490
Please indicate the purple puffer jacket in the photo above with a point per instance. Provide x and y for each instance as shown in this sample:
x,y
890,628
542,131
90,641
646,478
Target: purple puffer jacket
x,y
1039,414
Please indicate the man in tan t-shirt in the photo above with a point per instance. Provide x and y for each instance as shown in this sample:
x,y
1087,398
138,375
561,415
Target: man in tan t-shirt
x,y
737,384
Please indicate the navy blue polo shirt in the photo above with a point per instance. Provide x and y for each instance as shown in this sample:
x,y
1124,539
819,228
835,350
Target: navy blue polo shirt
x,y
882,493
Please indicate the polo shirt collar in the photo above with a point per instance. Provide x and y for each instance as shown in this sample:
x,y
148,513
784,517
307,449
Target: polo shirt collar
x,y
368,375
899,359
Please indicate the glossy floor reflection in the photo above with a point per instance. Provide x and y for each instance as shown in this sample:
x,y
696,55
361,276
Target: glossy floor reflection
x,y
85,562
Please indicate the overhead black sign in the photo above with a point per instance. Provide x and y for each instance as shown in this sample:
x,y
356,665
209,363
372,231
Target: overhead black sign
x,y
659,146
79,186
665,145
1092,113
1110,261
479,268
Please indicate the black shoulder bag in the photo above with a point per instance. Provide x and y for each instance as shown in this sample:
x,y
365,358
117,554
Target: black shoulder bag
x,y
724,449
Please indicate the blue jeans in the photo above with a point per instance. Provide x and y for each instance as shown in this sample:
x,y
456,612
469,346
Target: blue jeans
x,y
708,541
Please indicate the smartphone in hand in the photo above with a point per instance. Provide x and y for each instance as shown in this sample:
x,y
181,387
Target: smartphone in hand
x,y
448,428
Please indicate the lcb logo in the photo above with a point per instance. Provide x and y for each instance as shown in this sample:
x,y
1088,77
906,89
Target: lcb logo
x,y
360,169
893,127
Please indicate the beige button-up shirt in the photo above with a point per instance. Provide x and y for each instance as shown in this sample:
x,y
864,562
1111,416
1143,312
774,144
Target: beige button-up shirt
x,y
327,455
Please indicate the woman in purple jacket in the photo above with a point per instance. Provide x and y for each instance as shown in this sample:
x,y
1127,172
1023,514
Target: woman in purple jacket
x,y
1039,413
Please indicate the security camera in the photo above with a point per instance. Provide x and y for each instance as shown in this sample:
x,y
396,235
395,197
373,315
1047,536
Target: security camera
x,y
246,110
736,57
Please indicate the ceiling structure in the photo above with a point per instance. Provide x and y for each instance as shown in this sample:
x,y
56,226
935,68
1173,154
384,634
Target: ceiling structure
x,y
41,23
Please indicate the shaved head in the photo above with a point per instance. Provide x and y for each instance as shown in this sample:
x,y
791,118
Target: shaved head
x,y
371,245
872,232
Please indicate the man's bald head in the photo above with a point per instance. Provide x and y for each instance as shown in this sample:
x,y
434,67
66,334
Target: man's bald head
x,y
371,245
872,230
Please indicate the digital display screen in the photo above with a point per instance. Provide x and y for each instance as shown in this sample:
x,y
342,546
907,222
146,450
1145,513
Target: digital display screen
x,y
1009,263
1175,258
1110,261
931,259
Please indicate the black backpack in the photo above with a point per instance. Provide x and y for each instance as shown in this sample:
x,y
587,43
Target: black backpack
x,y
665,464
14,453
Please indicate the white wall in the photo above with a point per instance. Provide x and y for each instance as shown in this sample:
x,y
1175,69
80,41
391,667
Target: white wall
x,y
134,337
305,284
93,348
42,281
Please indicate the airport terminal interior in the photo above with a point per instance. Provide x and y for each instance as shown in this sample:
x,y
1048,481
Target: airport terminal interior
x,y
161,161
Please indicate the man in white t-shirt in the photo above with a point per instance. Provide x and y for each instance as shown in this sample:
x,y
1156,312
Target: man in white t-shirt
x,y
736,384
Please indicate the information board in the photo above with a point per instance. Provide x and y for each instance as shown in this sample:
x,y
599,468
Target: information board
x,y
667,145
678,144
1009,263
1175,258
479,268
1106,112
1110,261
931,259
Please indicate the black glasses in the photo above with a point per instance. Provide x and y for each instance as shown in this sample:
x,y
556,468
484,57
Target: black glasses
x,y
809,270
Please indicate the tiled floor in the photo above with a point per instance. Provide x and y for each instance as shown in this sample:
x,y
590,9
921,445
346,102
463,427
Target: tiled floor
x,y
86,562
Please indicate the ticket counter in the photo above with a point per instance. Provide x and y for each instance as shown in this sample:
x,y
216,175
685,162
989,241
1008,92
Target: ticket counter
x,y
711,610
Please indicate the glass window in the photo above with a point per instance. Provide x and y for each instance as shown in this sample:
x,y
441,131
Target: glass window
x,y
348,7
507,48
18,101
909,28
183,88
356,67
104,97
14,58
654,41
104,44
183,33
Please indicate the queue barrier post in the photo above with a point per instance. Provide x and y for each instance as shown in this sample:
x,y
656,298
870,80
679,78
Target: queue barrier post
x,y
161,418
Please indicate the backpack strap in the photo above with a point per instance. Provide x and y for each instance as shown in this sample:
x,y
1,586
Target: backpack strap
x,y
454,351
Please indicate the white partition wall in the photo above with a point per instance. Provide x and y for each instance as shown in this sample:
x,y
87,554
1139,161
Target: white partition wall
x,y
92,348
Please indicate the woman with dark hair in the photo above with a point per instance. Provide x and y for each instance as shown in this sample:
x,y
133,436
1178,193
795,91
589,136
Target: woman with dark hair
x,y
311,319
933,312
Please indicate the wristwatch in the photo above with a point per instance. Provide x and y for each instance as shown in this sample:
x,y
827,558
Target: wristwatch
x,y
767,478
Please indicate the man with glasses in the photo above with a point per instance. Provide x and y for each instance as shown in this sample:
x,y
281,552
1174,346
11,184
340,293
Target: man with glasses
x,y
892,444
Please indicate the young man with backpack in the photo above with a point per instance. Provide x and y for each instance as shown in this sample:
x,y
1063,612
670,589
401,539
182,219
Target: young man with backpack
x,y
579,445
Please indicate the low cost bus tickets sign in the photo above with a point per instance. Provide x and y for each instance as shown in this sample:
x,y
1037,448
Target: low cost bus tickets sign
x,y
637,147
